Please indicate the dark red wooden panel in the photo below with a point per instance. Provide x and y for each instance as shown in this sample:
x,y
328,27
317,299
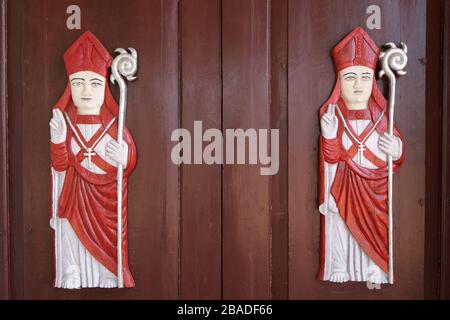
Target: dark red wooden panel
x,y
445,13
436,172
4,170
279,120
201,211
246,194
14,83
315,27
152,28
232,64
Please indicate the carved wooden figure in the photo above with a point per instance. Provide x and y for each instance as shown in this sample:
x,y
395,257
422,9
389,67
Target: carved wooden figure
x,y
85,155
354,150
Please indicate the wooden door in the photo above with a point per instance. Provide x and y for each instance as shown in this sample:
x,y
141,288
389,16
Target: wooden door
x,y
212,232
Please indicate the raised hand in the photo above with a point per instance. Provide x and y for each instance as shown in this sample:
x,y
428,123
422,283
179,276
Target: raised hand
x,y
117,152
390,145
58,127
329,123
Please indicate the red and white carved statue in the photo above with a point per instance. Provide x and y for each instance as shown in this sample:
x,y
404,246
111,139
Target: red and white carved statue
x,y
84,158
353,183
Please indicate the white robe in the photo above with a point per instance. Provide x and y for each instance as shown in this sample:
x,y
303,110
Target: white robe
x,y
71,257
342,253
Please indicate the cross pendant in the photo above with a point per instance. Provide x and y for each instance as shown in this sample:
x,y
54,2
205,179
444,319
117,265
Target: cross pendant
x,y
361,149
89,154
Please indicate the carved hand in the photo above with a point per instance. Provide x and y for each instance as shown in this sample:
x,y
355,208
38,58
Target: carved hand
x,y
329,123
390,145
117,152
58,127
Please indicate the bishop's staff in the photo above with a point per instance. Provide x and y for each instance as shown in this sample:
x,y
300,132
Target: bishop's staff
x,y
393,61
124,66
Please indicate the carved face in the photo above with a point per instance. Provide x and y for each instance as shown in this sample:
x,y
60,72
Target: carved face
x,y
88,92
357,85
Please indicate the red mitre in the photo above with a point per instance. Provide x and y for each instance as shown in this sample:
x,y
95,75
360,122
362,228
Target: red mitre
x,y
357,49
87,54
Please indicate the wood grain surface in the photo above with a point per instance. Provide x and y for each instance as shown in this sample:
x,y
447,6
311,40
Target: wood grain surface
x,y
223,232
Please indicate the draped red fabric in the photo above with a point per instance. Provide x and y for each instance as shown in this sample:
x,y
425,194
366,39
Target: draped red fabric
x,y
361,198
360,193
88,200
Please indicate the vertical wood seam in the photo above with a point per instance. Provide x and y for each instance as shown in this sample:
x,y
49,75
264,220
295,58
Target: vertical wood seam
x,y
4,155
180,168
435,181
222,165
278,120
444,290
287,152
269,114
